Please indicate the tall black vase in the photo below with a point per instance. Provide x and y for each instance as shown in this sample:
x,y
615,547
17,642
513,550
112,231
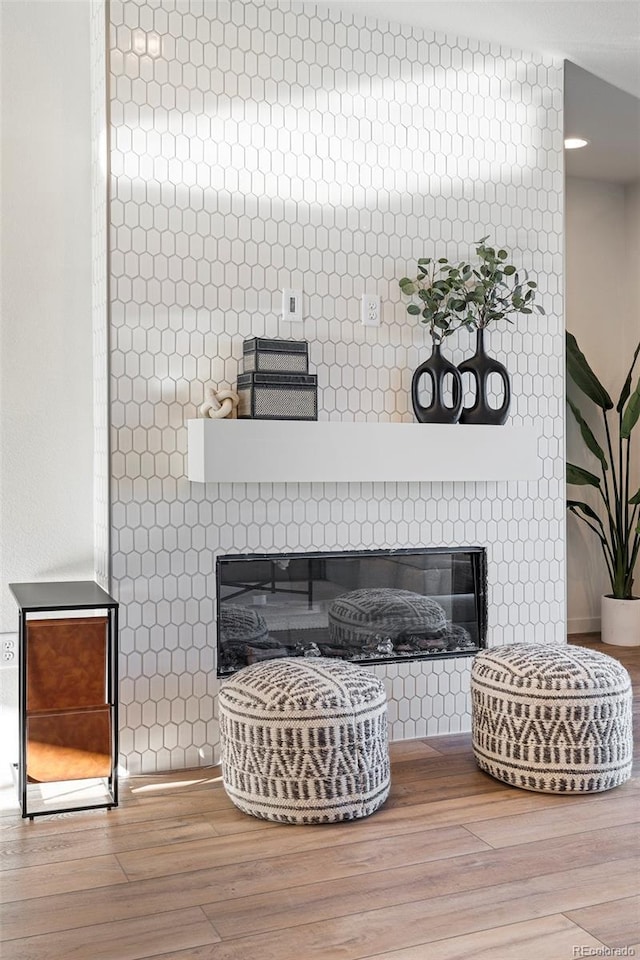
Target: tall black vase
x,y
481,366
437,368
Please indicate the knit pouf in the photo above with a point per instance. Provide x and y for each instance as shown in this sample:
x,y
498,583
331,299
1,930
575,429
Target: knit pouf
x,y
304,740
357,617
552,718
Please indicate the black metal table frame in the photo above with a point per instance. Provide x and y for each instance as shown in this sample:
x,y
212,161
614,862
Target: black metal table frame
x,y
111,607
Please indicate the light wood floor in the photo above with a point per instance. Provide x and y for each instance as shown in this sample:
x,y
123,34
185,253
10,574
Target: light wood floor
x,y
455,865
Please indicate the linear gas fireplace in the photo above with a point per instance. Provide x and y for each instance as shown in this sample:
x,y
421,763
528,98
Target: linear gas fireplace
x,y
370,606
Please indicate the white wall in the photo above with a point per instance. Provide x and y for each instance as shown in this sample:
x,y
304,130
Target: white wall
x,y
325,152
602,239
632,333
632,240
46,428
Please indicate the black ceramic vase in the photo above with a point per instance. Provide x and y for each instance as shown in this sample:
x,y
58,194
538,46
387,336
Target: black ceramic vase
x,y
437,368
481,366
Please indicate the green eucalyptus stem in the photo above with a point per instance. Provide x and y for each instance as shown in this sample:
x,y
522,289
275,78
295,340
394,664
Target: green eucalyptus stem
x,y
450,296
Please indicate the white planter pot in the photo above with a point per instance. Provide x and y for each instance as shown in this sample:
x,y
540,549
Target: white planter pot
x,y
620,621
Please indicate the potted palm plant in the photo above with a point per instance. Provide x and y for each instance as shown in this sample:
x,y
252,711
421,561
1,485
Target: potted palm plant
x,y
617,523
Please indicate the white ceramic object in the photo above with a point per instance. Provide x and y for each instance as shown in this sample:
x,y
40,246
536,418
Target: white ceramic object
x,y
218,404
620,621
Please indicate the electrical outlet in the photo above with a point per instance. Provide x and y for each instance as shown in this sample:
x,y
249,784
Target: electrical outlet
x,y
370,310
9,651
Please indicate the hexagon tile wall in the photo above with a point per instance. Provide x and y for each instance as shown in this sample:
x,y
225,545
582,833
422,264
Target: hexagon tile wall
x,y
255,147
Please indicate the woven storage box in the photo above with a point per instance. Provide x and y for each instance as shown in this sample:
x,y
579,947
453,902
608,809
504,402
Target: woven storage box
x,y
305,740
552,718
260,355
277,396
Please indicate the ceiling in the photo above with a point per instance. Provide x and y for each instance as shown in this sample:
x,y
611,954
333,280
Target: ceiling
x,y
602,40
610,120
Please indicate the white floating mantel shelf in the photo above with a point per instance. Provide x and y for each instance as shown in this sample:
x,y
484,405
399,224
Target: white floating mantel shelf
x,y
295,451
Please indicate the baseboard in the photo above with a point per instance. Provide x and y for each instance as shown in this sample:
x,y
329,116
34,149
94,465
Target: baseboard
x,y
583,625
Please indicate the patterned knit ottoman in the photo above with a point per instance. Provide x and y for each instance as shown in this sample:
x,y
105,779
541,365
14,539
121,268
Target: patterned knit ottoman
x,y
305,740
357,617
240,626
552,718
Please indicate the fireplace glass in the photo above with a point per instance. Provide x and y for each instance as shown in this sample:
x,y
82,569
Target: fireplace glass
x,y
369,606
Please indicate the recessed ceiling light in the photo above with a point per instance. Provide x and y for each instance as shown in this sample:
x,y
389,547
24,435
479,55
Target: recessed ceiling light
x,y
574,143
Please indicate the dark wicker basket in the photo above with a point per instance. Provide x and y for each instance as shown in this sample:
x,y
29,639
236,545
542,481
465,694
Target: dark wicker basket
x,y
260,355
277,396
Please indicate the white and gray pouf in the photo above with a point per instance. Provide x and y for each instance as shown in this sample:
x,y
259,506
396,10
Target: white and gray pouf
x,y
358,616
240,626
305,740
552,718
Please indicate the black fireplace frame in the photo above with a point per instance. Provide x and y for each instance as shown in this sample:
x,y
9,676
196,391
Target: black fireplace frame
x,y
479,569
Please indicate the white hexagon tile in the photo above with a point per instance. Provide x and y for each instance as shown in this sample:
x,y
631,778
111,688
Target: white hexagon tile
x,y
256,146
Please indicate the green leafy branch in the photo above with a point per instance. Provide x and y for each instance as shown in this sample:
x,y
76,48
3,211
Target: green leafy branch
x,y
435,287
494,289
450,296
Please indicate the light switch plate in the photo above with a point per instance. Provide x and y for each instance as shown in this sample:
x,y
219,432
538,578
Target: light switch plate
x,y
292,306
370,310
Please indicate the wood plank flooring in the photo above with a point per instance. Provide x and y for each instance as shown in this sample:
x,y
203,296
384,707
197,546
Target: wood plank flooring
x,y
456,866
